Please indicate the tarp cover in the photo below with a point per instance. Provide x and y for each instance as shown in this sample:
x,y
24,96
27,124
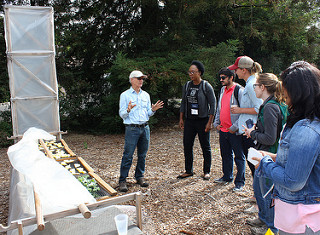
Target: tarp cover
x,y
58,189
33,84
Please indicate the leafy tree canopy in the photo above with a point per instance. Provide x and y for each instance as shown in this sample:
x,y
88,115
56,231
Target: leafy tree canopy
x,y
98,43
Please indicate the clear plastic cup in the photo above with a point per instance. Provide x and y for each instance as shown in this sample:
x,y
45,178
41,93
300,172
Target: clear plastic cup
x,y
122,224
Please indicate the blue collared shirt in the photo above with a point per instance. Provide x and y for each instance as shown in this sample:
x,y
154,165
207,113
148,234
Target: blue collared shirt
x,y
138,114
249,100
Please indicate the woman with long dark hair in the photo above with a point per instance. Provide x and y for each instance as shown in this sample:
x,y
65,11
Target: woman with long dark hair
x,y
296,171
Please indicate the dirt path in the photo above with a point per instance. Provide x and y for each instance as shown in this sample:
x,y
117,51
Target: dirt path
x,y
170,205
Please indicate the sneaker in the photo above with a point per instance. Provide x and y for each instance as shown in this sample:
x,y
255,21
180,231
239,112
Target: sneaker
x,y
259,230
206,176
237,189
123,186
142,182
256,222
253,209
221,181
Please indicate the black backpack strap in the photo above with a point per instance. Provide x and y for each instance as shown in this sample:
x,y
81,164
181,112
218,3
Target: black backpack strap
x,y
236,93
187,88
204,87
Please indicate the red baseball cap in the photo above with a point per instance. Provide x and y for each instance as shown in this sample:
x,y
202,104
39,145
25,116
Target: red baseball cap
x,y
243,62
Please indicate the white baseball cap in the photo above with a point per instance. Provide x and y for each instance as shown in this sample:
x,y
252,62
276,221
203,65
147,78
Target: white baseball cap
x,y
136,74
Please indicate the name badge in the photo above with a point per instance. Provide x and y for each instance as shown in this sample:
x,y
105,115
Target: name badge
x,y
194,109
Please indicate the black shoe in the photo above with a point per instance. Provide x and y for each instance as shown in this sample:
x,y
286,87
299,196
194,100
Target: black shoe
x,y
123,186
142,182
221,181
256,222
184,175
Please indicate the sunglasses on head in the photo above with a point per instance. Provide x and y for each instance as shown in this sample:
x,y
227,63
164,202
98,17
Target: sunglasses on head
x,y
141,78
223,77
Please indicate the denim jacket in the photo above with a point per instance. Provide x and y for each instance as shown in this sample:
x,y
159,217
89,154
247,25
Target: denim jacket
x,y
296,172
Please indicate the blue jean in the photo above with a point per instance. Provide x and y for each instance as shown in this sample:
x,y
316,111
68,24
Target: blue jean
x,y
135,137
232,143
246,144
192,127
261,185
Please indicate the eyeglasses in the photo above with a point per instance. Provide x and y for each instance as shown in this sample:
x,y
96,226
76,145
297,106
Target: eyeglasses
x,y
223,77
192,72
256,84
141,78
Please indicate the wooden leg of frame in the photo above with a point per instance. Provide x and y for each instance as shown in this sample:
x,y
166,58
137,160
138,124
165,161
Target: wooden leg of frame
x,y
139,210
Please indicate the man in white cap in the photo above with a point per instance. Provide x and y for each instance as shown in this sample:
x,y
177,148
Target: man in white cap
x,y
135,110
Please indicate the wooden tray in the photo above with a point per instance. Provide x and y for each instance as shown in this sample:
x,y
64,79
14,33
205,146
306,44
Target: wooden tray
x,y
77,166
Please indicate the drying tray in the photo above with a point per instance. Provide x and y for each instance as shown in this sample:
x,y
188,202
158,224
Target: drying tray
x,y
77,166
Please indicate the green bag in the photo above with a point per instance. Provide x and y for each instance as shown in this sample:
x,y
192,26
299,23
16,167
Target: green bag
x,y
284,113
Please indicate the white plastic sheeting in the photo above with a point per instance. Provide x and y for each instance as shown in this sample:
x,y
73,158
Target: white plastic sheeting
x,y
57,188
29,34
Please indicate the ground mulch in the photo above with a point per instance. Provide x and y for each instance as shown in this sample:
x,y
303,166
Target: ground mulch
x,y
170,205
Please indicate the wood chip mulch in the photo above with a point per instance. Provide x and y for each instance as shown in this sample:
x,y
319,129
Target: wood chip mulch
x,y
170,205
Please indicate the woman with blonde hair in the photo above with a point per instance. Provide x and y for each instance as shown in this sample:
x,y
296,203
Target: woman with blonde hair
x,y
247,69
266,133
272,113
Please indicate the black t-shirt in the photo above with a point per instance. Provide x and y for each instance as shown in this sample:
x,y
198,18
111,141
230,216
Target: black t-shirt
x,y
192,101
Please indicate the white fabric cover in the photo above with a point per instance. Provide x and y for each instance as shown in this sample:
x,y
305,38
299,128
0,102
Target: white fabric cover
x,y
31,66
58,189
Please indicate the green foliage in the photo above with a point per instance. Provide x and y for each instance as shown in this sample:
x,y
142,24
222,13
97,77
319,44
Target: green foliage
x,y
90,184
166,76
5,129
98,43
4,79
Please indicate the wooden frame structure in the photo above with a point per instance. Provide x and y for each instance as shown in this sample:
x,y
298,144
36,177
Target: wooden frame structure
x,y
137,196
29,34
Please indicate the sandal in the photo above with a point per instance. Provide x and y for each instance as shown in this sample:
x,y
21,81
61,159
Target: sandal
x,y
184,175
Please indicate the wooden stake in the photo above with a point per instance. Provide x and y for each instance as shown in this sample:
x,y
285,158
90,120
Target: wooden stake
x,y
85,211
39,215
138,210
20,227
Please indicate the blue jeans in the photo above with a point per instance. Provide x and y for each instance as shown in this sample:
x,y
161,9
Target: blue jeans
x,y
192,127
261,185
232,143
135,137
246,144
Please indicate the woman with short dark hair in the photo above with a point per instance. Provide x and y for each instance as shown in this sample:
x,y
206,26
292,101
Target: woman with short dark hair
x,y
197,110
